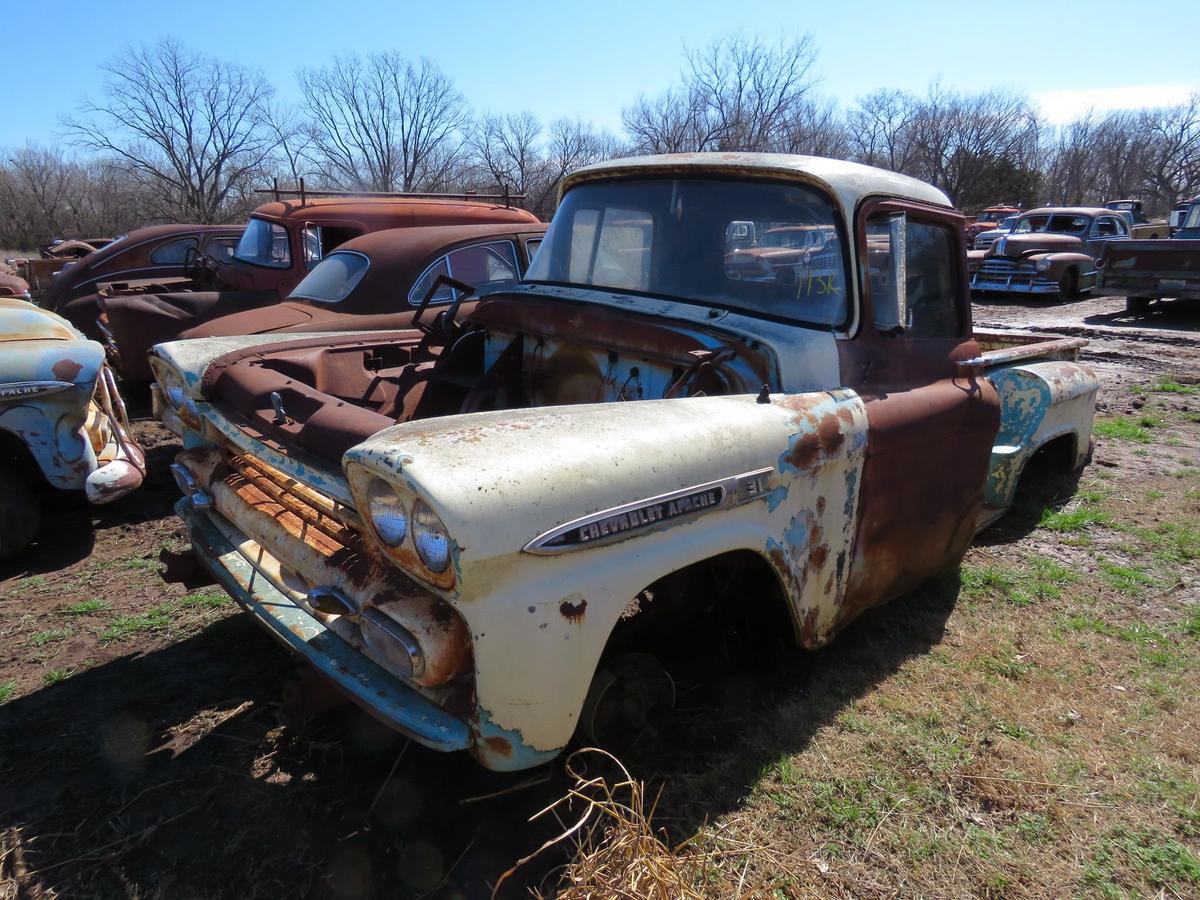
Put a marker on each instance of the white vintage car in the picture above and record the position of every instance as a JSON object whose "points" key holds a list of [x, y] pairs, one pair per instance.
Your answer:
{"points": [[481, 531]]}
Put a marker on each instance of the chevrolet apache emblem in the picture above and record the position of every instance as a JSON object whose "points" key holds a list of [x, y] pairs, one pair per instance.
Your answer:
{"points": [[644, 515]]}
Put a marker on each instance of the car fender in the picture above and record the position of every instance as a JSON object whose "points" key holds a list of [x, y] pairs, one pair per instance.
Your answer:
{"points": [[51, 425], [1039, 402], [541, 598]]}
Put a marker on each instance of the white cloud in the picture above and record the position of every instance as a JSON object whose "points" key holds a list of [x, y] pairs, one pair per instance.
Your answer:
{"points": [[1064, 106]]}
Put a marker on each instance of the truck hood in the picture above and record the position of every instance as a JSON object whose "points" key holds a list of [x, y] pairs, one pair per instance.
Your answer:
{"points": [[1016, 246], [36, 345]]}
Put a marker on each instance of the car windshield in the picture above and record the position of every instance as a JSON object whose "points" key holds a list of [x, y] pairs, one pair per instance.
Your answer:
{"points": [[1059, 223], [1192, 220], [333, 278], [693, 240], [264, 243]]}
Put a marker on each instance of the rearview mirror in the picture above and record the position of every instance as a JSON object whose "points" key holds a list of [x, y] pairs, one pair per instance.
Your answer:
{"points": [[891, 307]]}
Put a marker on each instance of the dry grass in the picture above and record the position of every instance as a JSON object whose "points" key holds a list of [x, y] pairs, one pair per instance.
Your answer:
{"points": [[616, 851]]}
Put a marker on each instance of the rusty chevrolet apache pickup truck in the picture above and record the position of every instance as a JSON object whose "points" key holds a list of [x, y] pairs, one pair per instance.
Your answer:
{"points": [[478, 531]]}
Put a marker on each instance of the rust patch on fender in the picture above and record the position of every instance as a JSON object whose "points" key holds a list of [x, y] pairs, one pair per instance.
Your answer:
{"points": [[820, 443], [66, 370], [499, 745], [573, 609]]}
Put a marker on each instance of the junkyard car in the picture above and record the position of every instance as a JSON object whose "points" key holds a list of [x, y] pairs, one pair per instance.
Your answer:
{"points": [[1149, 270], [281, 243], [62, 423], [481, 532], [12, 284], [1048, 251], [985, 239], [154, 258], [781, 254], [987, 220]]}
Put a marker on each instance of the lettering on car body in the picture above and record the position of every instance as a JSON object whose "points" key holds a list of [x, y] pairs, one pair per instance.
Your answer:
{"points": [[644, 515]]}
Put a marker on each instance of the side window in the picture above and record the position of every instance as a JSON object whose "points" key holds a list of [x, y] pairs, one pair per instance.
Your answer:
{"points": [[173, 253], [221, 249], [930, 274], [1106, 227], [485, 266], [531, 247]]}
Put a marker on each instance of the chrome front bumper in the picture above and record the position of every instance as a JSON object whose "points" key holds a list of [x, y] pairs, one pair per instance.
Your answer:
{"points": [[237, 563]]}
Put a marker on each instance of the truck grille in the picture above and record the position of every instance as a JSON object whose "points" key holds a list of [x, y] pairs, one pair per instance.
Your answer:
{"points": [[1007, 274], [320, 521]]}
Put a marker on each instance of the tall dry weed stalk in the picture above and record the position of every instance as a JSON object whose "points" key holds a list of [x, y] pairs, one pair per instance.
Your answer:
{"points": [[616, 852]]}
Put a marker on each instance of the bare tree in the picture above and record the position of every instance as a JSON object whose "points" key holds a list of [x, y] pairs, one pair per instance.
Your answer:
{"points": [[384, 123], [739, 93], [189, 126]]}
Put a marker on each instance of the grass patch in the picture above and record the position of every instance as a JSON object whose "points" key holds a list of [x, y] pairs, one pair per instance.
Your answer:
{"points": [[54, 676], [123, 627], [205, 599], [1127, 579], [84, 607], [1170, 386], [7, 689], [1161, 860], [1041, 578], [1073, 519], [1124, 428], [50, 636]]}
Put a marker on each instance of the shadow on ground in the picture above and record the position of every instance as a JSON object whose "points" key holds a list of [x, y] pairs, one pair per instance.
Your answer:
{"points": [[166, 774], [70, 523]]}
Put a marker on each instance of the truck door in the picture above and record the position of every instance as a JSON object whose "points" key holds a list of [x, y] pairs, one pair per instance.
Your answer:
{"points": [[931, 426]]}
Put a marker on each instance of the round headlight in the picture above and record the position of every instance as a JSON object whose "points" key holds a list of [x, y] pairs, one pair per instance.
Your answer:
{"points": [[1043, 264], [388, 516], [430, 537]]}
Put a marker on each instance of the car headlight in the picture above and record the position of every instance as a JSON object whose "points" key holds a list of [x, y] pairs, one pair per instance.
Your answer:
{"points": [[430, 538], [388, 516], [1043, 264]]}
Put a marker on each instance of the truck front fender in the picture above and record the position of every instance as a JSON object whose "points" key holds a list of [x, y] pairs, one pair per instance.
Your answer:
{"points": [[559, 517]]}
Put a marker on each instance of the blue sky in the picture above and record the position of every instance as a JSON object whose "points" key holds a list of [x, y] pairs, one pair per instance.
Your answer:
{"points": [[591, 59]]}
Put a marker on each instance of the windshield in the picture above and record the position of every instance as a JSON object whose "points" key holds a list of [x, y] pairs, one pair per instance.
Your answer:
{"points": [[264, 243], [333, 278], [1059, 223], [1192, 220], [696, 241]]}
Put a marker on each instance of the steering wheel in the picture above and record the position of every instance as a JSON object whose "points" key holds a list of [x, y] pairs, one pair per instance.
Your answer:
{"points": [[441, 328]]}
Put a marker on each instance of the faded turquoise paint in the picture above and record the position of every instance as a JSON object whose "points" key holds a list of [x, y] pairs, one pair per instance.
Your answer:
{"points": [[1024, 400], [798, 534], [851, 490], [384, 694], [504, 749], [50, 426], [776, 497]]}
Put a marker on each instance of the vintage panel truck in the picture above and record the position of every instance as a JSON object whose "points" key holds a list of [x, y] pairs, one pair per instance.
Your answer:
{"points": [[479, 529]]}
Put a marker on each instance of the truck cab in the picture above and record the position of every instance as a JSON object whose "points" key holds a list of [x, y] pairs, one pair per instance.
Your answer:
{"points": [[479, 531]]}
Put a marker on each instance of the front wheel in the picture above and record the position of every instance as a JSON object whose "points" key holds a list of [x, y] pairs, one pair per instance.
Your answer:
{"points": [[1068, 285], [20, 514], [1137, 304], [631, 698]]}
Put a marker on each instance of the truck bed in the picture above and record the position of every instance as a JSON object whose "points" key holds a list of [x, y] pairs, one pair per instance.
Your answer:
{"points": [[1152, 269], [1009, 347]]}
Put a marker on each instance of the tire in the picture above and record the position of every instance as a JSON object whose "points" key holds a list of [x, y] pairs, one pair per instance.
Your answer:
{"points": [[1068, 285], [20, 514], [1137, 304]]}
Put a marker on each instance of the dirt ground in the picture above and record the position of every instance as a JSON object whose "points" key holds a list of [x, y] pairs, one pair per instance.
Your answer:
{"points": [[1025, 726]]}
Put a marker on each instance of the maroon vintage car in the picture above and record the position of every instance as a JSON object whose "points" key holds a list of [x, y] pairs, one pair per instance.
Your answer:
{"points": [[379, 281], [283, 240], [155, 257]]}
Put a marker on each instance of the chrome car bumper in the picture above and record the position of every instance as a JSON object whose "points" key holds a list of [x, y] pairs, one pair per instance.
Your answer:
{"points": [[231, 557]]}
